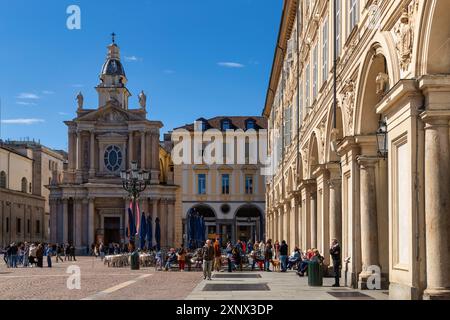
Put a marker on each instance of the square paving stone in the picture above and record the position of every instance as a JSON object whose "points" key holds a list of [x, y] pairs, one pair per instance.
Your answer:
{"points": [[237, 287], [350, 295]]}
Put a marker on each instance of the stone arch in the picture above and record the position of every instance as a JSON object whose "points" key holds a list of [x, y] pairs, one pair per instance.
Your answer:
{"points": [[366, 118], [248, 210], [313, 156], [204, 209], [433, 38]]}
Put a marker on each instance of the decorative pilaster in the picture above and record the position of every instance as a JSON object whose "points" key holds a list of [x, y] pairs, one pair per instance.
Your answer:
{"points": [[92, 154], [91, 222]]}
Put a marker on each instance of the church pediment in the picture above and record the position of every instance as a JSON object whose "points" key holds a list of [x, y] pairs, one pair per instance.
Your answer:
{"points": [[110, 113]]}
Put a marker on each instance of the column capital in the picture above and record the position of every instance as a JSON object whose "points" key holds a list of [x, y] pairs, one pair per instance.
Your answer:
{"points": [[308, 185], [367, 162], [435, 118]]}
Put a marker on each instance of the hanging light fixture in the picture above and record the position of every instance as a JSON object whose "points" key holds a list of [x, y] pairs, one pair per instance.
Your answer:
{"points": [[382, 139]]}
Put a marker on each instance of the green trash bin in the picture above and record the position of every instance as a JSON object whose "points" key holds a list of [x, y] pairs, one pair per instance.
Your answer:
{"points": [[315, 276], [134, 260]]}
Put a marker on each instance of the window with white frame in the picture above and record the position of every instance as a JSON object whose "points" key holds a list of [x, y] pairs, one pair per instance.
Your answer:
{"points": [[353, 14], [315, 72], [307, 86], [325, 50], [338, 41]]}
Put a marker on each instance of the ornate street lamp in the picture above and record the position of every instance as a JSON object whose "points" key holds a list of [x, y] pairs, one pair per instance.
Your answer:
{"points": [[382, 139], [134, 181]]}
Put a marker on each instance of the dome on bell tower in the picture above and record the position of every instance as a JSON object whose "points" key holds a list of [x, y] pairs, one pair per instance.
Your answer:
{"points": [[112, 65]]}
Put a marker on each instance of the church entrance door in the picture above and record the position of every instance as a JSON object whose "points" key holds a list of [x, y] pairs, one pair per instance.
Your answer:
{"points": [[112, 230]]}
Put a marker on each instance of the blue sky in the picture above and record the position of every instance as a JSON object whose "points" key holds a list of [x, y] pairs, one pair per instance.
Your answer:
{"points": [[193, 58]]}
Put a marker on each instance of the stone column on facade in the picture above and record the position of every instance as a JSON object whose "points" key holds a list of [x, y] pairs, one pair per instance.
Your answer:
{"points": [[322, 212], [143, 150], [92, 154], [65, 221], [305, 218], [53, 223], [130, 149], [313, 219], [437, 207], [335, 209], [369, 223], [78, 224], [72, 150], [79, 158], [286, 222], [91, 222], [155, 159], [171, 224]]}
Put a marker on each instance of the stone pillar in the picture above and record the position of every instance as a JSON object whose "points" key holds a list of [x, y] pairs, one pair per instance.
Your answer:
{"points": [[79, 157], [171, 224], [313, 219], [91, 222], [65, 221], [92, 155], [154, 216], [130, 149], [143, 150], [322, 212], [335, 209], [437, 207], [72, 151], [53, 221], [77, 224], [305, 218], [155, 159], [369, 223]]}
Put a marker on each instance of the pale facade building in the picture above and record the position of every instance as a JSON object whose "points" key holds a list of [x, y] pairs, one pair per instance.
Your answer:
{"points": [[90, 205], [22, 212], [230, 196], [388, 204]]}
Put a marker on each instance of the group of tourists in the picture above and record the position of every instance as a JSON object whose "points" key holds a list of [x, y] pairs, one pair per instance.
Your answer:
{"points": [[33, 254]]}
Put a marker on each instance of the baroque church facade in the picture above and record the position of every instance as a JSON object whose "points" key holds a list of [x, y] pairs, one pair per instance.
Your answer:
{"points": [[90, 205]]}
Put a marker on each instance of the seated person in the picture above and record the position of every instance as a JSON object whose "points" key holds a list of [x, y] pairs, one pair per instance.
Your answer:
{"points": [[294, 258], [171, 259]]}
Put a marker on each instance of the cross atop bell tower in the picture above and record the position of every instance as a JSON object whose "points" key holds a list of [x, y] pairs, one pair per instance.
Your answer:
{"points": [[113, 78]]}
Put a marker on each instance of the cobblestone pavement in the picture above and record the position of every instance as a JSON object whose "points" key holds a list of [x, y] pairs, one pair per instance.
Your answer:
{"points": [[97, 282]]}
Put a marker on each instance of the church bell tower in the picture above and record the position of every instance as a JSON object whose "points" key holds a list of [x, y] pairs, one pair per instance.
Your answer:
{"points": [[113, 79]]}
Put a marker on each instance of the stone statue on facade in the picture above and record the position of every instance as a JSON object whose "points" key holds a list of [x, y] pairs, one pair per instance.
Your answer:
{"points": [[142, 100], [404, 33], [80, 100]]}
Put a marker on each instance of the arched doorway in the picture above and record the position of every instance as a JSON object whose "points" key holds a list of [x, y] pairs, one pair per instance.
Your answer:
{"points": [[249, 223], [209, 217]]}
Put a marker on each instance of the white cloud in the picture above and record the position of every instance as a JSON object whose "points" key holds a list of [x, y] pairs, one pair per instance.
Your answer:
{"points": [[132, 58], [169, 71], [27, 95], [22, 121], [48, 92], [231, 64], [23, 103]]}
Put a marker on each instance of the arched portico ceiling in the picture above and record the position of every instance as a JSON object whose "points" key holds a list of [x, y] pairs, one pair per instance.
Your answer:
{"points": [[433, 40], [374, 73], [248, 211], [204, 210]]}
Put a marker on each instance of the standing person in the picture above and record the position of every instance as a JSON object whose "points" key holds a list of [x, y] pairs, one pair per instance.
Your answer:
{"points": [[8, 256], [229, 251], [59, 251], [268, 255], [49, 253], [33, 250], [26, 255], [277, 250], [102, 251], [335, 252], [181, 256], [13, 255], [67, 252], [72, 252], [283, 255], [40, 255], [217, 255], [208, 257]]}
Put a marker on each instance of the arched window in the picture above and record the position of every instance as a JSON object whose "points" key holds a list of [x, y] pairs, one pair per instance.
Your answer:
{"points": [[24, 185], [3, 179]]}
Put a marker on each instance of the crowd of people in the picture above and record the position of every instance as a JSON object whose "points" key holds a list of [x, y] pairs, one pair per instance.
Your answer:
{"points": [[33, 254], [265, 255]]}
